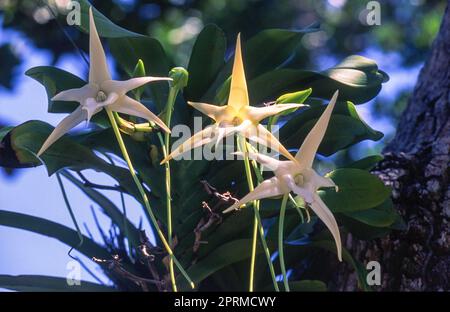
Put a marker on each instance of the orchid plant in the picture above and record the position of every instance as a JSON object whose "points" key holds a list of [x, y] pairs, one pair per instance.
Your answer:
{"points": [[196, 245]]}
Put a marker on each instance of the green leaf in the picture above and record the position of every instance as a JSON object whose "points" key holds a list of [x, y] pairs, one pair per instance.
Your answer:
{"points": [[345, 128], [270, 48], [56, 80], [298, 97], [41, 283], [304, 285], [4, 131], [362, 230], [366, 163], [51, 229], [128, 50], [382, 215], [262, 53], [105, 27], [207, 58], [357, 79], [358, 190], [221, 257]]}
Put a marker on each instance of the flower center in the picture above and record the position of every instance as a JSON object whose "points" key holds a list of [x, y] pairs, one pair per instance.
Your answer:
{"points": [[299, 180], [101, 96]]}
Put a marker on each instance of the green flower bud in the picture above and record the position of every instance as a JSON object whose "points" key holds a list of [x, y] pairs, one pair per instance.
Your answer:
{"points": [[180, 77]]}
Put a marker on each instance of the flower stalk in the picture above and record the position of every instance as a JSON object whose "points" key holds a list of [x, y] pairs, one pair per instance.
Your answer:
{"points": [[144, 195], [180, 78], [280, 240], [257, 223]]}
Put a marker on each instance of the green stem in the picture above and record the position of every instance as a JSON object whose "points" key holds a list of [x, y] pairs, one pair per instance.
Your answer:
{"points": [[144, 195], [280, 240], [69, 208], [257, 225], [165, 146]]}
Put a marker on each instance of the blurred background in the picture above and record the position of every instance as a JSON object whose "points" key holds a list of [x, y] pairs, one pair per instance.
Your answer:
{"points": [[30, 36]]}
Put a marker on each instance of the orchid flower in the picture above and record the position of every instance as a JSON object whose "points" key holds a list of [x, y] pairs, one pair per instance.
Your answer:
{"points": [[298, 176], [100, 92], [235, 117]]}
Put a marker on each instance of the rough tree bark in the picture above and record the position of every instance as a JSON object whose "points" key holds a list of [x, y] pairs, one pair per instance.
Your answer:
{"points": [[416, 165]]}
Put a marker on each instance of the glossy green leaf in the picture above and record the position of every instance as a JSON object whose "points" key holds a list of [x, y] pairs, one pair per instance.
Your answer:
{"points": [[263, 52], [358, 190], [227, 254], [128, 50], [105, 27], [366, 163], [345, 128], [207, 58], [56, 80], [357, 79], [382, 215]]}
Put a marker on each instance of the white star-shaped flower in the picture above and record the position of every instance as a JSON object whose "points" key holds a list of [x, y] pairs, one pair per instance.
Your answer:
{"points": [[235, 117], [298, 176], [101, 92]]}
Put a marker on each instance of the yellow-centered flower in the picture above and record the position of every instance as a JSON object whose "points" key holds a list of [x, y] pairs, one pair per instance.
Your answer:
{"points": [[298, 176], [100, 92], [235, 117]]}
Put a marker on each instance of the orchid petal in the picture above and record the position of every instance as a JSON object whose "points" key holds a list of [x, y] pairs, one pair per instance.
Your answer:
{"points": [[127, 105], [308, 150], [263, 136], [212, 111], [256, 114], [77, 94], [238, 90], [324, 214], [267, 188], [122, 87], [266, 161], [98, 69], [62, 128], [202, 137]]}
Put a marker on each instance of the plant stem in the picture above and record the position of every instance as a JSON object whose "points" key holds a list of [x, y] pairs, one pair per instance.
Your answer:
{"points": [[165, 146], [144, 195], [69, 208], [280, 240], [257, 225]]}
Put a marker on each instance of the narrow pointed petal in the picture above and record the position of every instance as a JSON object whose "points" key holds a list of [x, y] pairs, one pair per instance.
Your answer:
{"points": [[308, 150], [202, 137], [268, 188], [127, 105], [324, 182], [238, 90], [63, 127], [212, 111], [267, 161], [263, 136], [324, 214], [78, 94], [257, 114], [98, 69], [122, 87]]}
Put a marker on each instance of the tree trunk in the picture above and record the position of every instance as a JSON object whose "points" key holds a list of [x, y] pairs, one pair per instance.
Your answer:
{"points": [[416, 165]]}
